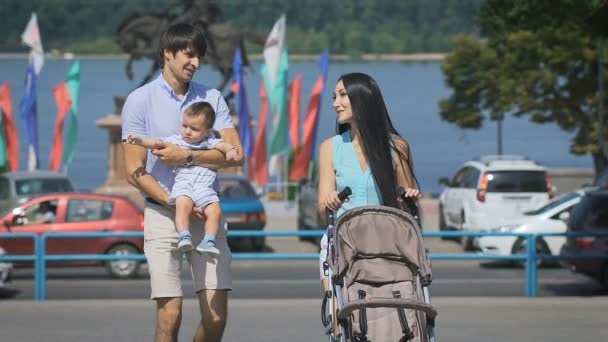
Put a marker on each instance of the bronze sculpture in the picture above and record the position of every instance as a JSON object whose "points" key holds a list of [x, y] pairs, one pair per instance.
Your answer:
{"points": [[138, 35]]}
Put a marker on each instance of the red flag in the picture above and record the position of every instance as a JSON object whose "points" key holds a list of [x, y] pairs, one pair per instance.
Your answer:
{"points": [[64, 103], [294, 111], [301, 161], [260, 150], [10, 129]]}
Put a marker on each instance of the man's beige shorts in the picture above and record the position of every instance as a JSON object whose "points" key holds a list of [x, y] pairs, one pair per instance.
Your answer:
{"points": [[165, 261]]}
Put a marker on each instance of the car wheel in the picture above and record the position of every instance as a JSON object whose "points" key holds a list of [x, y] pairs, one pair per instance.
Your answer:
{"points": [[466, 241], [258, 244], [521, 246], [442, 224], [123, 269], [604, 276]]}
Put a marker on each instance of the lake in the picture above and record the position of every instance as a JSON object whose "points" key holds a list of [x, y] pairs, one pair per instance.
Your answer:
{"points": [[411, 91]]}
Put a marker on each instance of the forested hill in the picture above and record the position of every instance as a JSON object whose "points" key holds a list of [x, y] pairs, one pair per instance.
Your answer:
{"points": [[345, 26]]}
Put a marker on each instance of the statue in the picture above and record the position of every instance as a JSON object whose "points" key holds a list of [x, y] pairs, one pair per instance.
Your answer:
{"points": [[139, 34]]}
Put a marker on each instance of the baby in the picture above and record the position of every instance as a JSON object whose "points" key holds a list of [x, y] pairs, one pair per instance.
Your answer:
{"points": [[194, 184]]}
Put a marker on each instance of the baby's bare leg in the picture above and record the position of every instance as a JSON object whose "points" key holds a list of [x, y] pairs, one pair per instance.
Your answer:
{"points": [[212, 212], [183, 209]]}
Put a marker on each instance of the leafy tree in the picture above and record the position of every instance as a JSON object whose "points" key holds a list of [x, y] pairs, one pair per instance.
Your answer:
{"points": [[537, 59]]}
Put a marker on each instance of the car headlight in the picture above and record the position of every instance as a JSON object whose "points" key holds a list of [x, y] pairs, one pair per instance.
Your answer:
{"points": [[507, 228]]}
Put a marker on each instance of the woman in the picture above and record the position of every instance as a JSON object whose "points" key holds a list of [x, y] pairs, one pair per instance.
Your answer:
{"points": [[373, 163]]}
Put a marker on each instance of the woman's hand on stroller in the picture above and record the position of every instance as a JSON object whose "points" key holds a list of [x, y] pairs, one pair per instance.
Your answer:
{"points": [[333, 201], [404, 194]]}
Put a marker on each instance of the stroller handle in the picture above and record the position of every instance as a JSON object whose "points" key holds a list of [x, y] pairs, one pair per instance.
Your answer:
{"points": [[343, 195]]}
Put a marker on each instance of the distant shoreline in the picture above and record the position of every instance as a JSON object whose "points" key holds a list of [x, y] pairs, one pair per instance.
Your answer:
{"points": [[414, 57]]}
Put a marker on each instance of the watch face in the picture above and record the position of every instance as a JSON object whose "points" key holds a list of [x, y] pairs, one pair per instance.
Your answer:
{"points": [[189, 158]]}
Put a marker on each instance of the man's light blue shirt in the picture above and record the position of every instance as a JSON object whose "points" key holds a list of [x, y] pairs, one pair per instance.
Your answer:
{"points": [[154, 111]]}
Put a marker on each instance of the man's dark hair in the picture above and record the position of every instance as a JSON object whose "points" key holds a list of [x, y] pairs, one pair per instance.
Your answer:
{"points": [[203, 109], [180, 37]]}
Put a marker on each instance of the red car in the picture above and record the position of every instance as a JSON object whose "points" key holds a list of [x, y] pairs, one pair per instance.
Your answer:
{"points": [[78, 212]]}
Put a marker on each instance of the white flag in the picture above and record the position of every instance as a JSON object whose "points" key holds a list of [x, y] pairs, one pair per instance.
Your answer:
{"points": [[31, 38], [273, 49]]}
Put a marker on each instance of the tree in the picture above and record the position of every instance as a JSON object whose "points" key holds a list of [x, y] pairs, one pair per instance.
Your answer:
{"points": [[537, 59]]}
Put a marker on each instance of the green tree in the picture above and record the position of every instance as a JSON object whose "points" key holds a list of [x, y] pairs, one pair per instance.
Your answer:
{"points": [[537, 59]]}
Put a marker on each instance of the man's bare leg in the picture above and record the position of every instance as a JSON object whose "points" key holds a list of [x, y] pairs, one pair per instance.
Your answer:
{"points": [[169, 318], [214, 312]]}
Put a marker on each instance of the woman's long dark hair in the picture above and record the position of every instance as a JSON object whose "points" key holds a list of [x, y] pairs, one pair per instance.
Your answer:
{"points": [[376, 129]]}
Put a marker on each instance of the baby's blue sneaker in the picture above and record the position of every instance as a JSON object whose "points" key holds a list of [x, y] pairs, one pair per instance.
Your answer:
{"points": [[208, 245], [184, 244]]}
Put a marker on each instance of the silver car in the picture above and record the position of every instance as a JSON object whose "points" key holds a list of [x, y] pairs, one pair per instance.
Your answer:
{"points": [[17, 188]]}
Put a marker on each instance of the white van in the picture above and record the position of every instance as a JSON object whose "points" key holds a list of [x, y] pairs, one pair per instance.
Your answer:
{"points": [[490, 190]]}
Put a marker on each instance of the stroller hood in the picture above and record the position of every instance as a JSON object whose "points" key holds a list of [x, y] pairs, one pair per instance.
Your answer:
{"points": [[370, 232]]}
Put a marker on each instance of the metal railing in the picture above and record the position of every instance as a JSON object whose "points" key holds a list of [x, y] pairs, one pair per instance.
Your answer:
{"points": [[530, 257]]}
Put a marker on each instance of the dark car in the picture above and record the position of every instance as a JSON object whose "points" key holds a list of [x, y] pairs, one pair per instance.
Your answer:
{"points": [[602, 179], [590, 215], [242, 209], [308, 212], [78, 213]]}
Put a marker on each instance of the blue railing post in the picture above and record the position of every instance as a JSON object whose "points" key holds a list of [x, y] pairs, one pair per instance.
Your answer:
{"points": [[41, 281], [39, 260], [531, 274]]}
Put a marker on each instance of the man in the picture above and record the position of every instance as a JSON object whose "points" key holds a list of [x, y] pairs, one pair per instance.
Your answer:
{"points": [[45, 213], [155, 110]]}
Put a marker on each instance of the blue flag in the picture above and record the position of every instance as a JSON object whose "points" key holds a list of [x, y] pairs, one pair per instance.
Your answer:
{"points": [[241, 104], [29, 116]]}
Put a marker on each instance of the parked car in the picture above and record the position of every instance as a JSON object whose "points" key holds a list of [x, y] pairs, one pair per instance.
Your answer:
{"points": [[490, 190], [77, 212], [5, 270], [308, 212], [590, 215], [550, 218], [602, 179], [242, 209], [17, 188]]}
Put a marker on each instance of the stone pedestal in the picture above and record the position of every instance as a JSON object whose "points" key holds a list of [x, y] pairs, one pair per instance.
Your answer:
{"points": [[116, 183]]}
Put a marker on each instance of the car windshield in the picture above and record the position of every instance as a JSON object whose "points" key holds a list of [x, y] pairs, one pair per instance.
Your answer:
{"points": [[236, 189], [26, 187], [553, 204], [516, 181]]}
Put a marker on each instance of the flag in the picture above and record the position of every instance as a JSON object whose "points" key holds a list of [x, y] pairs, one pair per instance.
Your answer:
{"points": [[73, 87], [259, 152], [31, 38], [302, 159], [279, 141], [64, 102], [9, 144], [275, 58], [294, 111], [242, 105], [28, 115], [273, 51]]}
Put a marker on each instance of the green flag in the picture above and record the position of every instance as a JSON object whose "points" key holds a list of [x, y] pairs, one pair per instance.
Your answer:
{"points": [[73, 83], [279, 139]]}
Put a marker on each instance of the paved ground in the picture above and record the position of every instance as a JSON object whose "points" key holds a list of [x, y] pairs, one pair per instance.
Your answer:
{"points": [[471, 320]]}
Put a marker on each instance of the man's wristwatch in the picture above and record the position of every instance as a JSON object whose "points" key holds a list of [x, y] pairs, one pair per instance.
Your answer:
{"points": [[189, 160]]}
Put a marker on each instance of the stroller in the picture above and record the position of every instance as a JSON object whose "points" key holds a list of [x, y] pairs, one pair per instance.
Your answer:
{"points": [[376, 277]]}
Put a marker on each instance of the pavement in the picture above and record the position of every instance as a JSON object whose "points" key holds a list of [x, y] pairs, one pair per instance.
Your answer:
{"points": [[459, 319]]}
